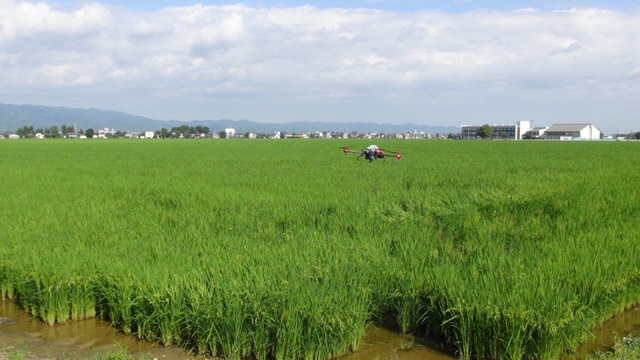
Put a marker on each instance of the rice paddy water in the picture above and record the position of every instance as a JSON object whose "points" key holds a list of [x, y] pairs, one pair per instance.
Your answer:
{"points": [[289, 249]]}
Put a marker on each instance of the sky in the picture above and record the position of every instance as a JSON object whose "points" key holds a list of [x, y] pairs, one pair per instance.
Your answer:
{"points": [[438, 63]]}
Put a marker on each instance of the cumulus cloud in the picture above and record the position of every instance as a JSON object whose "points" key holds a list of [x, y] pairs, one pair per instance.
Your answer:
{"points": [[305, 63], [25, 20]]}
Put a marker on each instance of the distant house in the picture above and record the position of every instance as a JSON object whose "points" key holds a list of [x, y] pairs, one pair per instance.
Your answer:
{"points": [[149, 134], [14, 136], [230, 132], [39, 135], [105, 133], [132, 135], [572, 132]]}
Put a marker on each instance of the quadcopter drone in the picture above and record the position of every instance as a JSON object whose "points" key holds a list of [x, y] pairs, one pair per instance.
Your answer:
{"points": [[372, 153]]}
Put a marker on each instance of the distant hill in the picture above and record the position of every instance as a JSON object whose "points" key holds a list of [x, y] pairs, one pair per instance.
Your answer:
{"points": [[13, 117]]}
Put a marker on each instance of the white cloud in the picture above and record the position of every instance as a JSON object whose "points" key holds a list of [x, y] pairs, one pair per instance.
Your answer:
{"points": [[303, 63], [22, 20]]}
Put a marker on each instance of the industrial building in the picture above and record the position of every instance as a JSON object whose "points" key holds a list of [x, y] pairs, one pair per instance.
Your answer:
{"points": [[514, 132], [524, 130], [572, 132]]}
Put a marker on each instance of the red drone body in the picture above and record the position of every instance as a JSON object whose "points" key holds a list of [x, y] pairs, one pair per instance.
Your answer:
{"points": [[372, 153]]}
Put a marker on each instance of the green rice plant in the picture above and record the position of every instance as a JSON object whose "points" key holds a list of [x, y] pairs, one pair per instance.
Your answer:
{"points": [[505, 250], [7, 286], [29, 292], [117, 297], [202, 316], [52, 301], [82, 297]]}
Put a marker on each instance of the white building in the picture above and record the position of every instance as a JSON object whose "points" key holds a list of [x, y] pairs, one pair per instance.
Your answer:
{"points": [[508, 131], [103, 133], [149, 134], [572, 132], [231, 132], [537, 132], [522, 128]]}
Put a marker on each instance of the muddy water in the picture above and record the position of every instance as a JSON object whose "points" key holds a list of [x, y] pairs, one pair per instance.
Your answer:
{"points": [[625, 324], [83, 339], [74, 340], [383, 344]]}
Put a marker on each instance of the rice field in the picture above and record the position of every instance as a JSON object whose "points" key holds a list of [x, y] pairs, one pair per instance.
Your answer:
{"points": [[288, 249]]}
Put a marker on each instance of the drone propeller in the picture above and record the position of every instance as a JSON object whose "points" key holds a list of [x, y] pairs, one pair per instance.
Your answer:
{"points": [[395, 154], [385, 150], [346, 150]]}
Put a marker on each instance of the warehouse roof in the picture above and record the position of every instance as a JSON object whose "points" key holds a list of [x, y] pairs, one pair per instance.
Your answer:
{"points": [[567, 127]]}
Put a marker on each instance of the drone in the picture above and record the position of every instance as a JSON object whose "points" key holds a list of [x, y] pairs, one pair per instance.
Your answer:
{"points": [[372, 153]]}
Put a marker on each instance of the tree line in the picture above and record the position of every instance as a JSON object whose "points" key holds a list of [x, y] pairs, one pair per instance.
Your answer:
{"points": [[50, 132], [183, 130], [29, 131], [164, 133]]}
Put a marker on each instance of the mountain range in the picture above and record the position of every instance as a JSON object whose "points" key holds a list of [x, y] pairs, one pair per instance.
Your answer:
{"points": [[13, 117]]}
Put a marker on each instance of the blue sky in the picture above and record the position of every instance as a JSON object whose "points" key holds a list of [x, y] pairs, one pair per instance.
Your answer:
{"points": [[426, 62], [391, 5]]}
